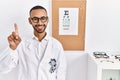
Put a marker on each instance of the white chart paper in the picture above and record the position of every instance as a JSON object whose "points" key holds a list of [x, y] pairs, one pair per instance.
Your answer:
{"points": [[68, 21]]}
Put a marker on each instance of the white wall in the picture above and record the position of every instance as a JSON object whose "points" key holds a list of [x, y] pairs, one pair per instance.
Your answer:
{"points": [[16, 11], [77, 65], [103, 26]]}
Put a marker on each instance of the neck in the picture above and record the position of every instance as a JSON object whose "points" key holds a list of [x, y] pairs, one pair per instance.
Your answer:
{"points": [[40, 36]]}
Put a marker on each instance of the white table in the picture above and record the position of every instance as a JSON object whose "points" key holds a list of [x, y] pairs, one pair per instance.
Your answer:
{"points": [[103, 69]]}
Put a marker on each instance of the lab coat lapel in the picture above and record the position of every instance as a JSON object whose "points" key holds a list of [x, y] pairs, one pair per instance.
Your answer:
{"points": [[47, 53], [44, 68]]}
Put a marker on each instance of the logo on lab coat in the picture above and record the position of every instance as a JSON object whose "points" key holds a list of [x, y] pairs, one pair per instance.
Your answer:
{"points": [[53, 65]]}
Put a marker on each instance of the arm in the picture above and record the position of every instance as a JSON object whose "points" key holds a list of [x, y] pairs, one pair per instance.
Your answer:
{"points": [[62, 66], [9, 58]]}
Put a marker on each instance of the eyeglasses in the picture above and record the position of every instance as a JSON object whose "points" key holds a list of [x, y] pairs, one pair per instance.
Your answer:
{"points": [[42, 19]]}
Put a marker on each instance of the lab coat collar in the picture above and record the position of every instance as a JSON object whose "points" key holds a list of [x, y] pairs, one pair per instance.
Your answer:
{"points": [[30, 45], [45, 38]]}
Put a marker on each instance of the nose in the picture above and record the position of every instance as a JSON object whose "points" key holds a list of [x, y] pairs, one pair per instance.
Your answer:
{"points": [[39, 21]]}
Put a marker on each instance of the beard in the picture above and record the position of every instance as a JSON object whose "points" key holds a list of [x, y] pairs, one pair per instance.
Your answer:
{"points": [[39, 28]]}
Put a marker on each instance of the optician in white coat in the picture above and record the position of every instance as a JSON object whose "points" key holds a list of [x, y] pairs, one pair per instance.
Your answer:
{"points": [[39, 58]]}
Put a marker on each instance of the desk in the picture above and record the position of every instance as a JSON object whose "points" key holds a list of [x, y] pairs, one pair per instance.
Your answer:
{"points": [[103, 69]]}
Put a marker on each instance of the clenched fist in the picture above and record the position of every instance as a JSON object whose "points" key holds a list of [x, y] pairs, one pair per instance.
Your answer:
{"points": [[14, 39]]}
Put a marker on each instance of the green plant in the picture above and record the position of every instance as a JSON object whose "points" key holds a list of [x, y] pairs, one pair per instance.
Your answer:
{"points": [[110, 79]]}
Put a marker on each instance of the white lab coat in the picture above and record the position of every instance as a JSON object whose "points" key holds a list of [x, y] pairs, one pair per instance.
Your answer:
{"points": [[51, 67]]}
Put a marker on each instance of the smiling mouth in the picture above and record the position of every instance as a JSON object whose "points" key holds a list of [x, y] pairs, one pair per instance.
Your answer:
{"points": [[40, 27]]}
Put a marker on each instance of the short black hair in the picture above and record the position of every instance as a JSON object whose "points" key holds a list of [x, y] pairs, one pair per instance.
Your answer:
{"points": [[37, 7]]}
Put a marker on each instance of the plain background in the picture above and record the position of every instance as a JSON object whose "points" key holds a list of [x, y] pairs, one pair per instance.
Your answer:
{"points": [[102, 31]]}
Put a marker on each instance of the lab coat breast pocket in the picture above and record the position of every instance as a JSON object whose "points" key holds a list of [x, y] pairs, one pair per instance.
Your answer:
{"points": [[52, 68]]}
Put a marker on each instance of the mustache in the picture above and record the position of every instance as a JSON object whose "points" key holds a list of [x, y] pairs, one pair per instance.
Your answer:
{"points": [[40, 25]]}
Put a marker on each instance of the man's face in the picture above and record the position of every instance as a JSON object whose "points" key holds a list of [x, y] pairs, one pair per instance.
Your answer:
{"points": [[38, 19]]}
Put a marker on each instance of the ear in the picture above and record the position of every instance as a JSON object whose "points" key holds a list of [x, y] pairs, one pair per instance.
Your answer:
{"points": [[29, 20]]}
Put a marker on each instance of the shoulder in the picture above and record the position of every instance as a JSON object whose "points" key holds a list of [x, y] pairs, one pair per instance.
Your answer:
{"points": [[26, 41], [56, 43]]}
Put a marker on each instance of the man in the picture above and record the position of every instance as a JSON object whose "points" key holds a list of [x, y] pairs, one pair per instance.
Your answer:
{"points": [[39, 58]]}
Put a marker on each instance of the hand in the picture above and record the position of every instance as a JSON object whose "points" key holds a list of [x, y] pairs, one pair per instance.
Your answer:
{"points": [[14, 39]]}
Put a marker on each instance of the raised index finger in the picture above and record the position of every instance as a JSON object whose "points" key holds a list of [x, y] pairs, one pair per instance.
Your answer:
{"points": [[16, 28]]}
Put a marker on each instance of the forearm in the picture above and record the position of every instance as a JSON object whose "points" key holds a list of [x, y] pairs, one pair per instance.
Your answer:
{"points": [[62, 67], [8, 60]]}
